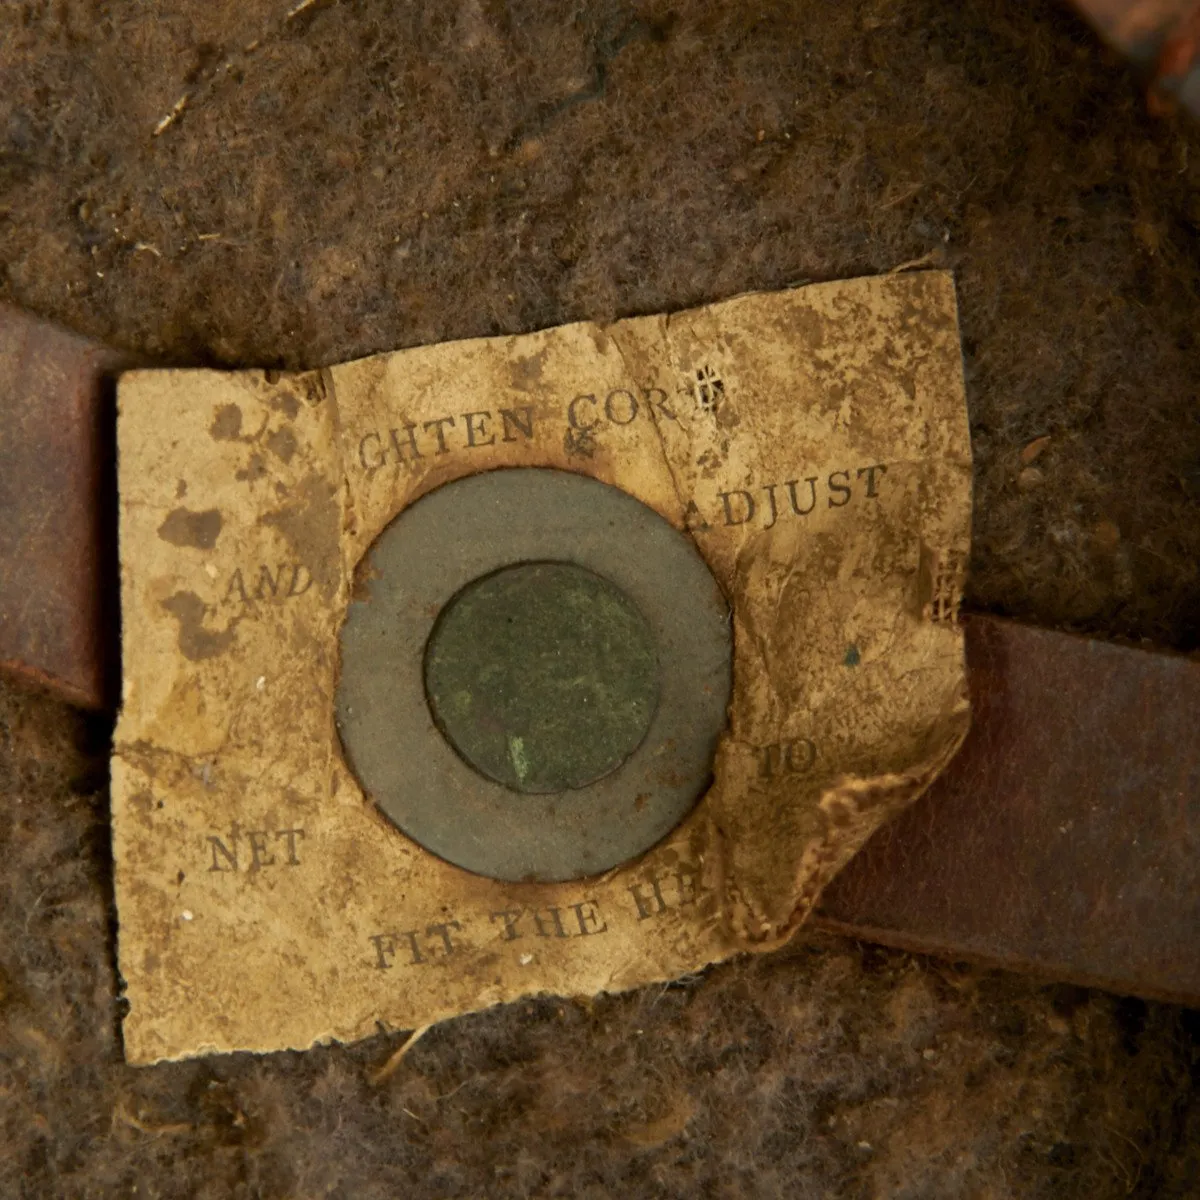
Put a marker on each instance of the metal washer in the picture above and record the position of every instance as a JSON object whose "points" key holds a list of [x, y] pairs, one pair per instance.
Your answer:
{"points": [[471, 528]]}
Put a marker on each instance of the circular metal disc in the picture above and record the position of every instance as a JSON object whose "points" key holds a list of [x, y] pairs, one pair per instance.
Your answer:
{"points": [[476, 527], [543, 676]]}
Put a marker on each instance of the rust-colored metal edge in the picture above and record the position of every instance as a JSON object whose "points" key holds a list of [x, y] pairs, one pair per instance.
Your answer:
{"points": [[43, 681], [1064, 839], [1162, 40]]}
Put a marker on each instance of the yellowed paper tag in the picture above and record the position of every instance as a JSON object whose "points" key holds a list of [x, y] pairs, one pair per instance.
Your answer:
{"points": [[813, 442]]}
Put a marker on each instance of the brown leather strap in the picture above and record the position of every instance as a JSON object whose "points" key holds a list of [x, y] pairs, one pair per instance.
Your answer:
{"points": [[1064, 839], [57, 531]]}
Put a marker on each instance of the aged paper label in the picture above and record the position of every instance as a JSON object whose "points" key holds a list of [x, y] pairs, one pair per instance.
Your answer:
{"points": [[813, 443]]}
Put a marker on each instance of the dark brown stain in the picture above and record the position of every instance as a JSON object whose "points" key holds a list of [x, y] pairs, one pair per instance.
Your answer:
{"points": [[804, 324], [254, 469], [195, 642], [199, 530], [526, 373], [282, 443], [142, 802], [286, 403], [364, 576], [227, 424], [311, 523], [579, 443]]}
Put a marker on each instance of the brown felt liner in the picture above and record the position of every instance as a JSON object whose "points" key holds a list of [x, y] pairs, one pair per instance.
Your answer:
{"points": [[376, 175]]}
